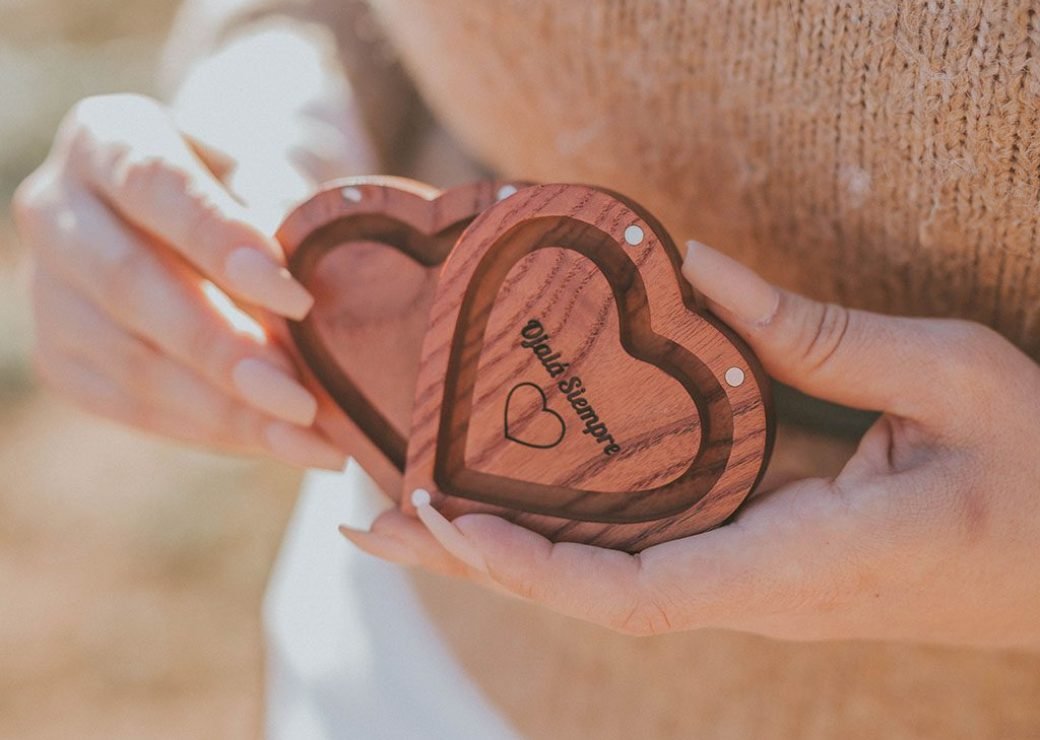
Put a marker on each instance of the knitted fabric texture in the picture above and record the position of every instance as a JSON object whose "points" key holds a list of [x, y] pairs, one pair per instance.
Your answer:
{"points": [[880, 154]]}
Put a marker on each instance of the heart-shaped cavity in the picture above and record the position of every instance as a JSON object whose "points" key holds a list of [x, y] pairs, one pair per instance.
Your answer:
{"points": [[581, 388], [369, 250], [576, 292]]}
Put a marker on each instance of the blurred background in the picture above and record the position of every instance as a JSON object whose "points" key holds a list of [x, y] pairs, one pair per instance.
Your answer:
{"points": [[131, 570]]}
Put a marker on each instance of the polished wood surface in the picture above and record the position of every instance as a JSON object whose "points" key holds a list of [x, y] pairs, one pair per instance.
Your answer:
{"points": [[369, 250], [570, 382]]}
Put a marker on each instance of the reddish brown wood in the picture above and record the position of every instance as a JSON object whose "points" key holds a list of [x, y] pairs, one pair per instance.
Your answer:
{"points": [[369, 250], [570, 382]]}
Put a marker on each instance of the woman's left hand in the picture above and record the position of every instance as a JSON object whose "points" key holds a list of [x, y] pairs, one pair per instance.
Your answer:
{"points": [[931, 531]]}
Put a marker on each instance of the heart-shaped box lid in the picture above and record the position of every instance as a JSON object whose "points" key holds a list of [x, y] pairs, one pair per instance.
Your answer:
{"points": [[571, 382]]}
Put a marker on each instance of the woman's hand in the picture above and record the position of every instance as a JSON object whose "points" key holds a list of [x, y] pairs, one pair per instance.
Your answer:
{"points": [[931, 532], [137, 247]]}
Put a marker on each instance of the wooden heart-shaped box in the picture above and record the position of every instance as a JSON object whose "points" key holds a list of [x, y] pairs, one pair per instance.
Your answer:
{"points": [[571, 383], [369, 250]]}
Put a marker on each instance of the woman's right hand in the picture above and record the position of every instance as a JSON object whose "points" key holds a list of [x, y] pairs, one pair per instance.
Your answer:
{"points": [[137, 247]]}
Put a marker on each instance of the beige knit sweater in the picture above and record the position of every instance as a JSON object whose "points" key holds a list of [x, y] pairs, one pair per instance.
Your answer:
{"points": [[882, 154]]}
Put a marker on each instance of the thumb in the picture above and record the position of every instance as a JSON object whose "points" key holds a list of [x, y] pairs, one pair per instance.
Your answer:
{"points": [[855, 358]]}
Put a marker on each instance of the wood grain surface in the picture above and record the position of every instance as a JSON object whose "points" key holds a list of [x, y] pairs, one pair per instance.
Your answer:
{"points": [[570, 382], [369, 250]]}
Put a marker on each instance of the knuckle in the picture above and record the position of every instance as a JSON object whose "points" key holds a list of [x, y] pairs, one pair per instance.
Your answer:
{"points": [[637, 622], [96, 113], [79, 126], [523, 587], [141, 175], [86, 112], [91, 121], [32, 205], [824, 334], [645, 617], [204, 222], [91, 111], [99, 129], [109, 140]]}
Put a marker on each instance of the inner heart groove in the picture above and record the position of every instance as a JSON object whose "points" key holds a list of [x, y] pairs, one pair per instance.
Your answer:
{"points": [[427, 247]]}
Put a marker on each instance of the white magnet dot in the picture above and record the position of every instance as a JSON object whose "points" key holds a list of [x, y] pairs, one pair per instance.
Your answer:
{"points": [[505, 191], [352, 195], [734, 377], [634, 235], [420, 497]]}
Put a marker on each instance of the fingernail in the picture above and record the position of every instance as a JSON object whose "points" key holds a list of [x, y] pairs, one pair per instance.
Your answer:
{"points": [[723, 280], [269, 389], [258, 278], [378, 546], [447, 533], [302, 447]]}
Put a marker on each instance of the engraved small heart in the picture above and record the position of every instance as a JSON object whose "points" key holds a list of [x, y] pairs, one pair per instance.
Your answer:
{"points": [[529, 420], [667, 411], [369, 250]]}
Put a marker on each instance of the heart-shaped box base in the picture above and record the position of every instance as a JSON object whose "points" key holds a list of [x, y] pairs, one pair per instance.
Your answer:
{"points": [[570, 382], [369, 249]]}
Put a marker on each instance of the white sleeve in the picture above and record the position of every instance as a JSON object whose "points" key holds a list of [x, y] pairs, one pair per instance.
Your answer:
{"points": [[350, 650]]}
